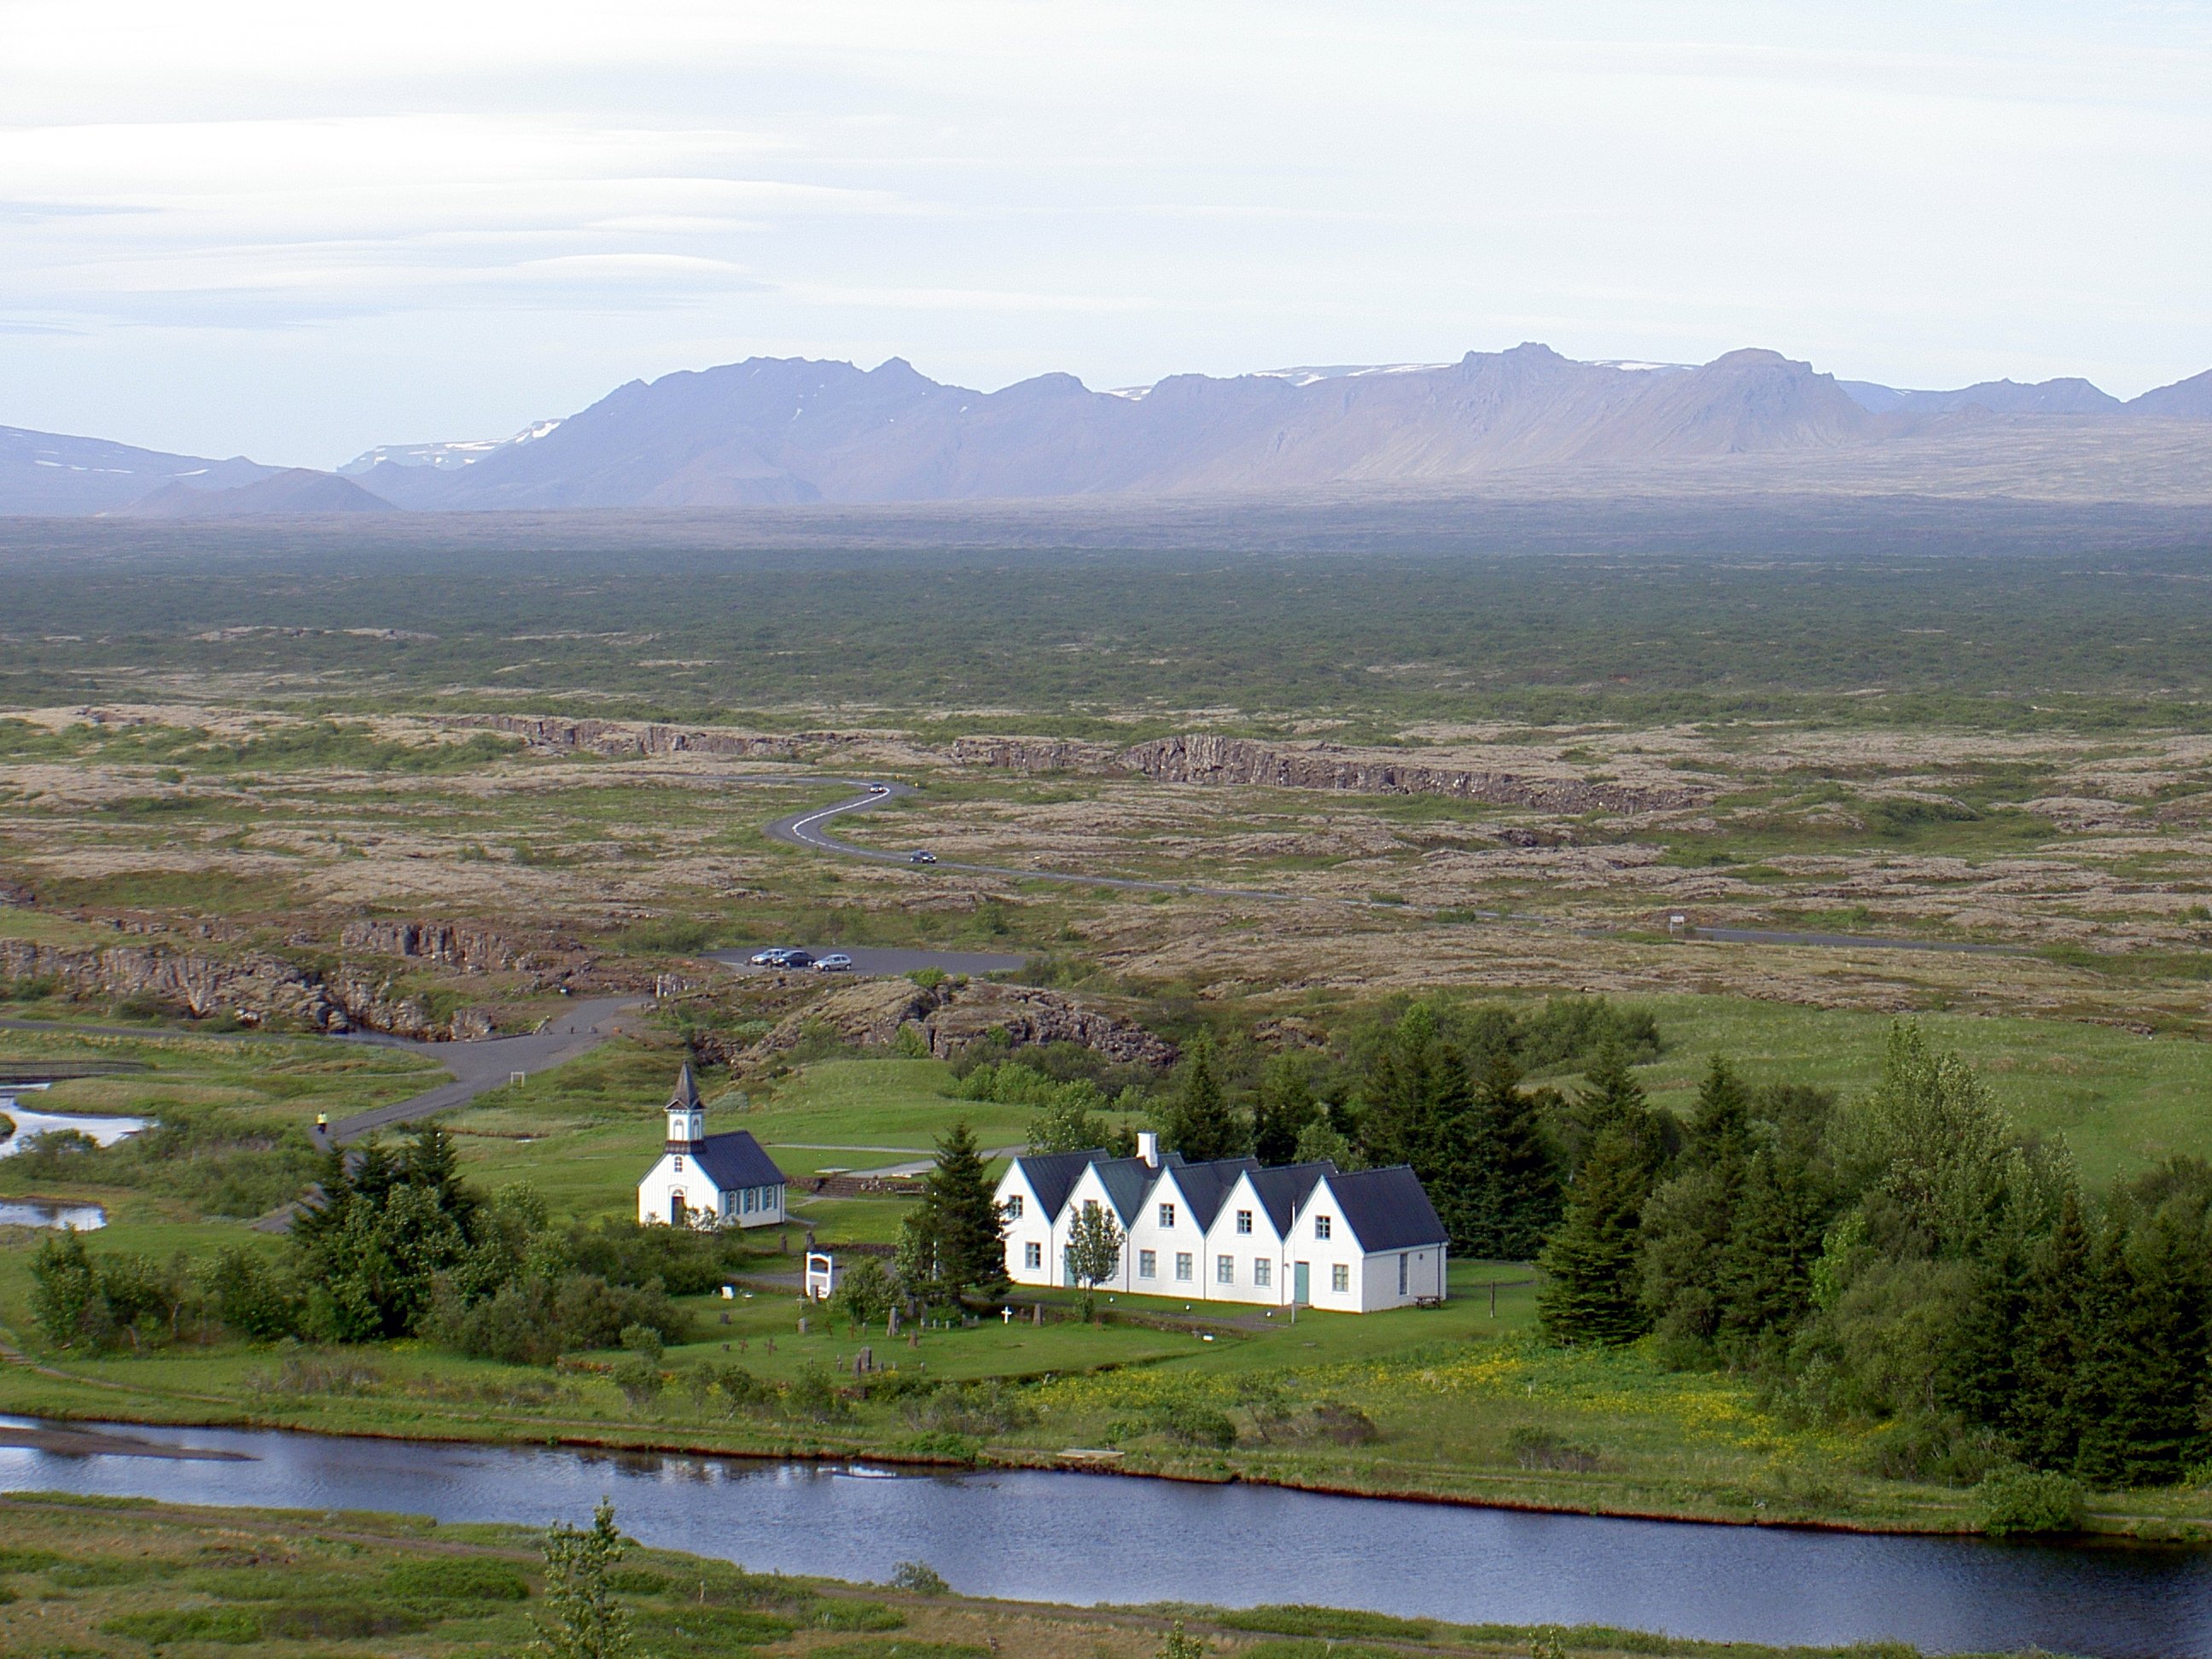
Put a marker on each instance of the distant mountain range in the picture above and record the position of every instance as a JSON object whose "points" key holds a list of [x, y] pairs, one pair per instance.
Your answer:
{"points": [[782, 431]]}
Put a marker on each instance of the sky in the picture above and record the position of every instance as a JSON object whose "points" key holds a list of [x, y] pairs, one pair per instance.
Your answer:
{"points": [[295, 231]]}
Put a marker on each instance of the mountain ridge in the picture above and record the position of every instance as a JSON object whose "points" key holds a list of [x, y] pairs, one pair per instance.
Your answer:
{"points": [[784, 432]]}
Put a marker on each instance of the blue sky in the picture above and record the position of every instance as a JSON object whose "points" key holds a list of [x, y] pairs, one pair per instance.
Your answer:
{"points": [[295, 231]]}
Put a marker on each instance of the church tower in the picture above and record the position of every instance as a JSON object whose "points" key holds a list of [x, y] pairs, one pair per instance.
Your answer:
{"points": [[686, 1115]]}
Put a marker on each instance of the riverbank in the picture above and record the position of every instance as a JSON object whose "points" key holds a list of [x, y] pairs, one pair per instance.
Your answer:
{"points": [[78, 1572], [416, 1396]]}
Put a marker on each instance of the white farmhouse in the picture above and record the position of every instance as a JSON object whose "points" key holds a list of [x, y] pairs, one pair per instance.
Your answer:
{"points": [[726, 1175], [1306, 1235]]}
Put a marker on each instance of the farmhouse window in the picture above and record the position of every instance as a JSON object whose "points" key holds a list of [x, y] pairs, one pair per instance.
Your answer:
{"points": [[1263, 1272], [1321, 1226], [1033, 1254], [1243, 1221], [1183, 1266], [1340, 1278], [1148, 1264], [1167, 1215], [1013, 1206], [1224, 1270]]}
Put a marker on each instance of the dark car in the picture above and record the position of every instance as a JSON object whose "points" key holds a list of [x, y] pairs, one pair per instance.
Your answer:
{"points": [[922, 858], [796, 959]]}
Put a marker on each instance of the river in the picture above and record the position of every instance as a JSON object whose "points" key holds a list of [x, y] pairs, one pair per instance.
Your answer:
{"points": [[1085, 1538]]}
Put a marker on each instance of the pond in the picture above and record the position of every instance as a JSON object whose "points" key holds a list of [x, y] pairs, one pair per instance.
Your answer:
{"points": [[102, 1131], [48, 1212], [1088, 1538]]}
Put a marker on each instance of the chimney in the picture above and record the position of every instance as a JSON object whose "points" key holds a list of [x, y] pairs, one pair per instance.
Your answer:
{"points": [[1148, 1148]]}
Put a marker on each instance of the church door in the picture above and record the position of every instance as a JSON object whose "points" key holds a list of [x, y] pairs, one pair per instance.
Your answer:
{"points": [[675, 1216]]}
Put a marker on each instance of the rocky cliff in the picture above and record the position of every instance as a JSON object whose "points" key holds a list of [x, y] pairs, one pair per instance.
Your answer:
{"points": [[255, 986], [1202, 758], [949, 1015], [617, 739]]}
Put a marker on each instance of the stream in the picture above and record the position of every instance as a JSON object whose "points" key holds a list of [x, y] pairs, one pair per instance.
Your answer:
{"points": [[1080, 1538]]}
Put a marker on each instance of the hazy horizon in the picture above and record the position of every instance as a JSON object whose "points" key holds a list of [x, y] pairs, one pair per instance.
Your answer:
{"points": [[254, 230]]}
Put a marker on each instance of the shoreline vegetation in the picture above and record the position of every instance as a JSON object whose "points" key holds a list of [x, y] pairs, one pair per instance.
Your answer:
{"points": [[77, 1570]]}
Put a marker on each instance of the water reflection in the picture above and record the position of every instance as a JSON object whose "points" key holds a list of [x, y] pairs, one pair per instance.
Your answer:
{"points": [[37, 1212]]}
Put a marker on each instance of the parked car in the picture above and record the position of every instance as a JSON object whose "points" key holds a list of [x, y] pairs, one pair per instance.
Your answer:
{"points": [[796, 959], [835, 963], [922, 858], [772, 958]]}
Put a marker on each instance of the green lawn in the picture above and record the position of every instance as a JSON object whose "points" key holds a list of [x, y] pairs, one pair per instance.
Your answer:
{"points": [[2122, 1102]]}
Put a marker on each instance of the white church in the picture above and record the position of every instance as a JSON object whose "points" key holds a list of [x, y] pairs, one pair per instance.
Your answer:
{"points": [[1304, 1234], [726, 1177]]}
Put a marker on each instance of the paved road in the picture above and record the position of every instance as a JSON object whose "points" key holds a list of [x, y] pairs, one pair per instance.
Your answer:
{"points": [[478, 1067]]}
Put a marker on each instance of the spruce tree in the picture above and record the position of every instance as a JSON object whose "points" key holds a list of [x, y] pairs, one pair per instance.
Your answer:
{"points": [[1199, 1122], [965, 1226], [1720, 1129], [1286, 1106], [1764, 1283], [2144, 1371], [1591, 1290], [1409, 1077], [2043, 1415], [1514, 1173]]}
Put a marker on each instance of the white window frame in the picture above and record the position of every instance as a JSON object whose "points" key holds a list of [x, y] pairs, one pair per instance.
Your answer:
{"points": [[1243, 1221], [1148, 1264], [1224, 1270], [1340, 1278], [1263, 1272], [1321, 1225], [679, 1164], [1012, 1207], [1185, 1274], [1033, 1256], [1166, 1217]]}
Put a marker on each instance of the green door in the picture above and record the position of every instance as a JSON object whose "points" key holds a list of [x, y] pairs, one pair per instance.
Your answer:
{"points": [[1302, 1285]]}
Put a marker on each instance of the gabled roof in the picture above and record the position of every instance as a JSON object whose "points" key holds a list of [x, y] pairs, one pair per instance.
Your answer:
{"points": [[1205, 1185], [687, 1093], [1283, 1188], [1387, 1209], [1127, 1180], [1052, 1176], [734, 1158]]}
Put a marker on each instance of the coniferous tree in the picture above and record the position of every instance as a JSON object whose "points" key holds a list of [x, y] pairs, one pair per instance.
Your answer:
{"points": [[955, 1237], [1690, 1219], [1198, 1122], [2043, 1414], [1285, 1107], [2144, 1372], [1591, 1289], [1448, 1152], [1611, 1096], [1763, 1285], [1405, 1088], [1514, 1175]]}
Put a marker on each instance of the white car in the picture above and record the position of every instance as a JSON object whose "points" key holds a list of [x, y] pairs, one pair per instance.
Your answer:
{"points": [[880, 789], [835, 963]]}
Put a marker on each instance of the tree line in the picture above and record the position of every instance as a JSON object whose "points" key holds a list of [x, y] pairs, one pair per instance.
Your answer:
{"points": [[1908, 1259]]}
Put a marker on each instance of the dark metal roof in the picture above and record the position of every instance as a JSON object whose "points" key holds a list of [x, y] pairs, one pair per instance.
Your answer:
{"points": [[1387, 1209], [1052, 1176], [734, 1158], [1127, 1180], [1284, 1187], [1205, 1185], [687, 1093]]}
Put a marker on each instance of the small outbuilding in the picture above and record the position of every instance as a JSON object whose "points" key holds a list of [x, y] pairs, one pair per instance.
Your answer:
{"points": [[723, 1180]]}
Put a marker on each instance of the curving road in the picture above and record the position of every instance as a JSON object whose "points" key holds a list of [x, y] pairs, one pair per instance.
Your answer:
{"points": [[808, 830]]}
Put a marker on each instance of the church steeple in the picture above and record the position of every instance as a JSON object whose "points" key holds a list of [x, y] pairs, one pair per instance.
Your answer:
{"points": [[686, 1115]]}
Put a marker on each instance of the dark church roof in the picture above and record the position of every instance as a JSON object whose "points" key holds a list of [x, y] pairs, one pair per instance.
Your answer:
{"points": [[687, 1090], [734, 1158], [1387, 1209]]}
